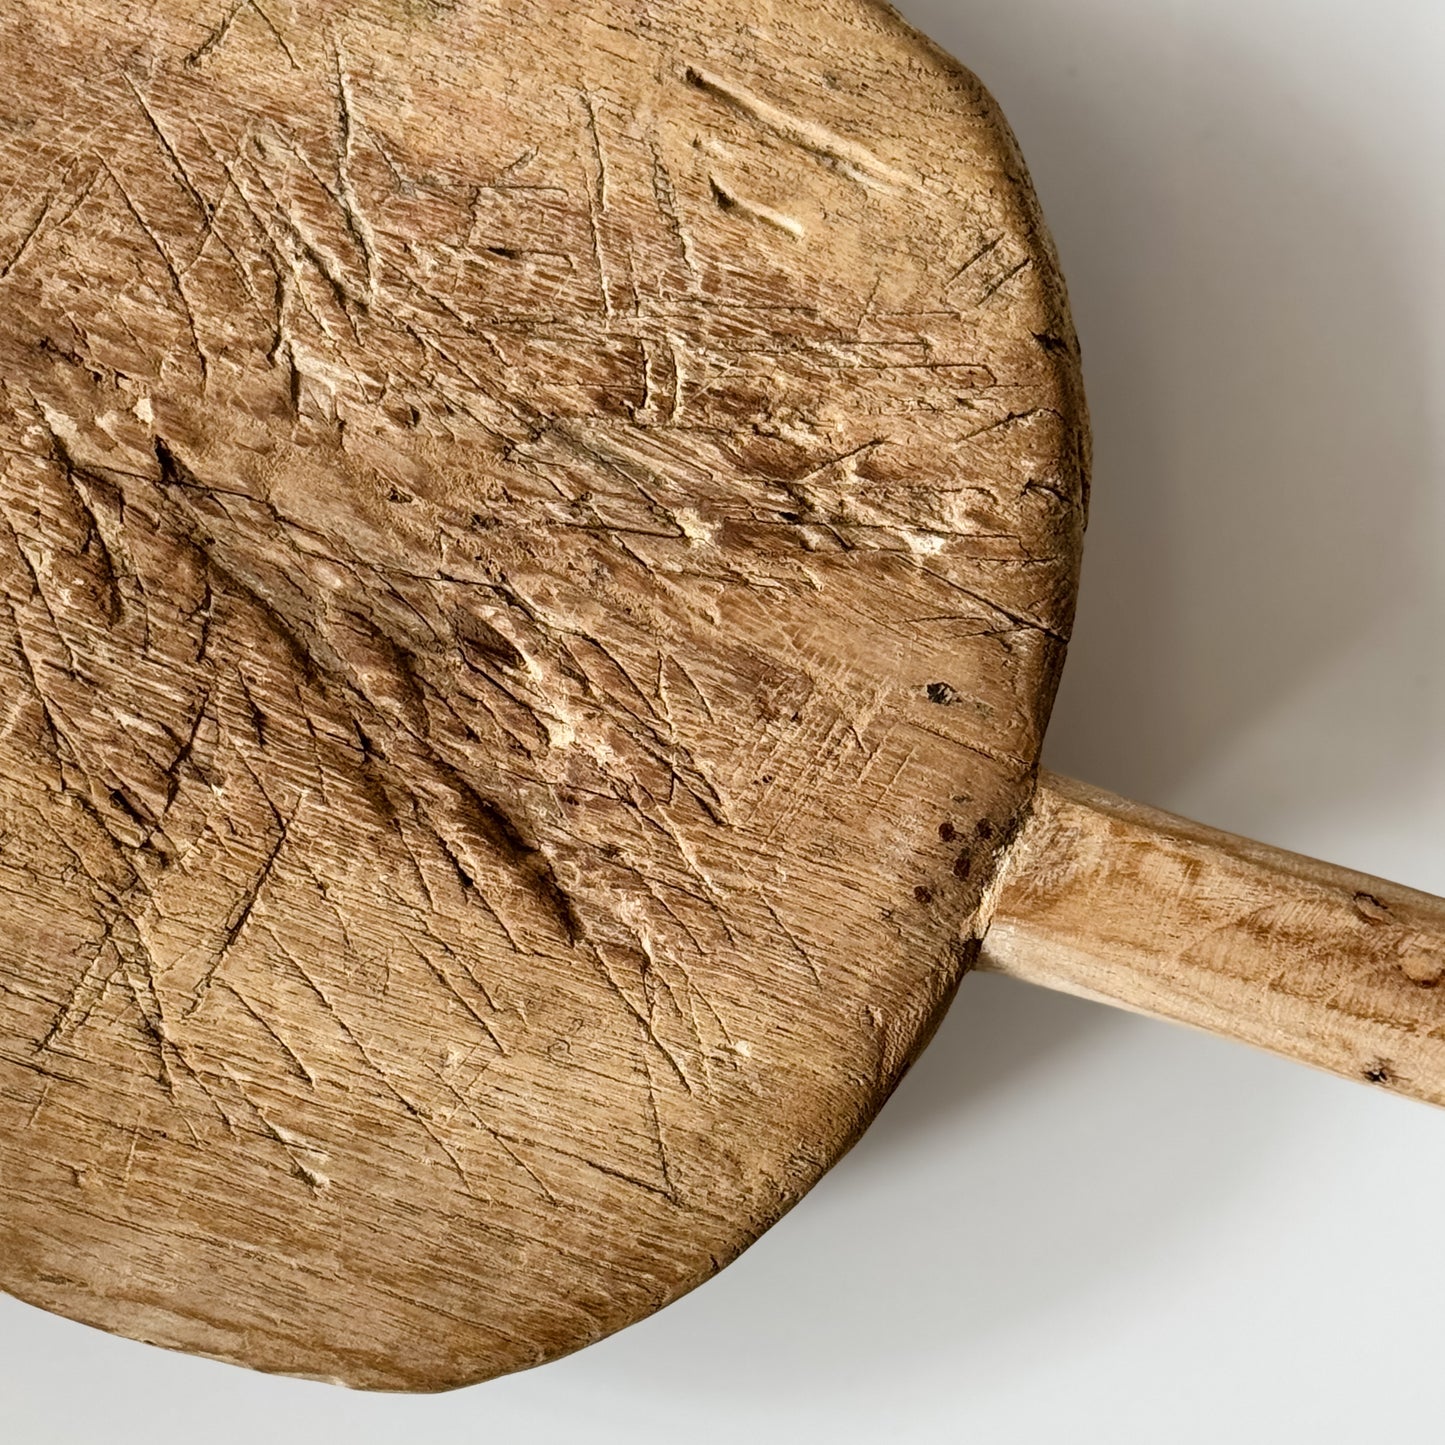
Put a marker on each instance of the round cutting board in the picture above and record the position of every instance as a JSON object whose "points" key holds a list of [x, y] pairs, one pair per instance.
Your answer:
{"points": [[536, 546]]}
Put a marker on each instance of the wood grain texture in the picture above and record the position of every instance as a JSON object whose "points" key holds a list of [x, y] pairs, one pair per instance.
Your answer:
{"points": [[536, 545], [1115, 901]]}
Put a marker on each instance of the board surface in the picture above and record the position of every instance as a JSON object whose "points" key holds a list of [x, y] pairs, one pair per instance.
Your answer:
{"points": [[536, 544]]}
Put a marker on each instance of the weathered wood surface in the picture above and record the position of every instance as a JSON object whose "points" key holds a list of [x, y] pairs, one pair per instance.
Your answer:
{"points": [[536, 543], [1115, 901]]}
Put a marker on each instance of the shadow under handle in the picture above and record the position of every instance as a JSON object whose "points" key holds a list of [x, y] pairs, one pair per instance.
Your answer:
{"points": [[1114, 901]]}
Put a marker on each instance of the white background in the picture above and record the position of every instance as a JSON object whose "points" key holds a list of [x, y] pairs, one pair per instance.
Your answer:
{"points": [[1072, 1226]]}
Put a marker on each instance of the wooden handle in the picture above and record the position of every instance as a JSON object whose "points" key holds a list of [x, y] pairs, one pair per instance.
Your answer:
{"points": [[1114, 901]]}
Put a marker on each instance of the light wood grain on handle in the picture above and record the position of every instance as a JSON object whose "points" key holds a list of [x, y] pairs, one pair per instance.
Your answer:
{"points": [[1111, 900]]}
